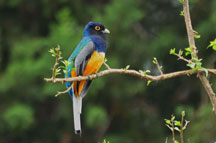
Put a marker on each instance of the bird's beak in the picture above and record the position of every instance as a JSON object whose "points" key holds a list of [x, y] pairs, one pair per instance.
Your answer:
{"points": [[106, 31]]}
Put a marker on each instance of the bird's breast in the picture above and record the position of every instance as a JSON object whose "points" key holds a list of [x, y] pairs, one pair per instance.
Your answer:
{"points": [[94, 63]]}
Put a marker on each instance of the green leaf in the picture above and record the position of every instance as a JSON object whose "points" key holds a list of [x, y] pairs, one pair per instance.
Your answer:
{"points": [[127, 67], [212, 44], [172, 51], [57, 71], [65, 71], [148, 82], [191, 65], [188, 50], [181, 13], [177, 123], [57, 48], [66, 63], [52, 51], [144, 72], [180, 52], [177, 129], [214, 47], [181, 1], [170, 127], [105, 60], [62, 67], [106, 141], [197, 36], [187, 53], [168, 122]]}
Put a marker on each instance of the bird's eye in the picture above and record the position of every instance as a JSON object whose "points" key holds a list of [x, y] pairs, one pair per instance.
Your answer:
{"points": [[97, 28]]}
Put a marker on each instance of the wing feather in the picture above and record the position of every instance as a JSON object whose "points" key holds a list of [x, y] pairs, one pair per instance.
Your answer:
{"points": [[83, 57], [80, 65]]}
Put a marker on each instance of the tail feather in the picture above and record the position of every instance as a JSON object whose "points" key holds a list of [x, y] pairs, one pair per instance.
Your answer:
{"points": [[77, 109]]}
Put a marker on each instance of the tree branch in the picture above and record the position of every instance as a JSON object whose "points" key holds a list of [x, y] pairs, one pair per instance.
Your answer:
{"points": [[158, 66], [130, 72], [203, 79], [189, 28]]}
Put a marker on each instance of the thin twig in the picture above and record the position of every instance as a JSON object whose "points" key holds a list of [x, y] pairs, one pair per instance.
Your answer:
{"points": [[56, 62], [181, 127], [158, 66], [173, 129], [203, 79], [166, 141], [65, 91], [107, 66], [183, 58]]}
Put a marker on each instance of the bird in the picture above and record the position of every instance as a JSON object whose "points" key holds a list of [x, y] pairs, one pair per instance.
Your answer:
{"points": [[86, 59]]}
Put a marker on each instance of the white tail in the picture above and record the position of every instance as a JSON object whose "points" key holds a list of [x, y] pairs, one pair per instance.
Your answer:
{"points": [[77, 109]]}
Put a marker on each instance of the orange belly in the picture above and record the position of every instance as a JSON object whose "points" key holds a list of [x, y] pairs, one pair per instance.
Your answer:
{"points": [[93, 65]]}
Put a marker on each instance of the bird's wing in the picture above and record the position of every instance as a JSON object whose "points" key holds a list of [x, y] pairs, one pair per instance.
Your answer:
{"points": [[83, 57], [80, 64], [83, 43]]}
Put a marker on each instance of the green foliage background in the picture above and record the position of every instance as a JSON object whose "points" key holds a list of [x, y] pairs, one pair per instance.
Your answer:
{"points": [[120, 108]]}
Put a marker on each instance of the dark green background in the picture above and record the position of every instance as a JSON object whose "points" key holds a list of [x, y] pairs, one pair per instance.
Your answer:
{"points": [[119, 108]]}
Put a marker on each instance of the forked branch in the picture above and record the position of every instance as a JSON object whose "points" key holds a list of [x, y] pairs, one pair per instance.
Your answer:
{"points": [[190, 33]]}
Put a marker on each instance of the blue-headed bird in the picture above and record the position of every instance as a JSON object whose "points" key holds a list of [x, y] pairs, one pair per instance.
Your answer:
{"points": [[86, 59]]}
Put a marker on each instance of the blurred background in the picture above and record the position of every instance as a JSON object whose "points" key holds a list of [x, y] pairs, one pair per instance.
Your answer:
{"points": [[118, 108]]}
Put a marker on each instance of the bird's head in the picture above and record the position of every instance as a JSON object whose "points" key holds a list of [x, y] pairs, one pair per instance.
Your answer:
{"points": [[94, 28]]}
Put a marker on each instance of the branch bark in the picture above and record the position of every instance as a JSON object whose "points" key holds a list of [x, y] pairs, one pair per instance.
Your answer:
{"points": [[203, 79], [129, 72], [158, 66]]}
